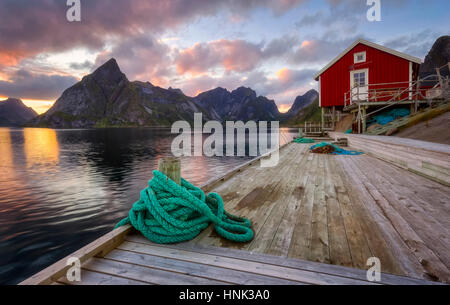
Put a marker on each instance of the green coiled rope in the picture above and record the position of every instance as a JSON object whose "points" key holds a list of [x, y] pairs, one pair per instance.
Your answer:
{"points": [[170, 213]]}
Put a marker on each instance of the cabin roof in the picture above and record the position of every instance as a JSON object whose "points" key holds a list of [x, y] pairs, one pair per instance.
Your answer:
{"points": [[370, 44]]}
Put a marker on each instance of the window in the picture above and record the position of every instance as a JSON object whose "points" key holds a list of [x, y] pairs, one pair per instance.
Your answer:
{"points": [[360, 57], [359, 79]]}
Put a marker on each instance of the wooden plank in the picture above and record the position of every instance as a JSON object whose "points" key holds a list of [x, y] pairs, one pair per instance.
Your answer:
{"points": [[434, 267], [319, 250], [282, 261], [338, 244], [194, 269], [356, 190], [302, 276], [57, 270], [426, 196], [283, 235], [371, 231], [357, 242], [96, 278], [146, 274], [301, 237], [432, 232], [272, 216]]}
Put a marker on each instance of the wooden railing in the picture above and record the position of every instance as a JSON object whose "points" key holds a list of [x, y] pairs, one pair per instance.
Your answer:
{"points": [[431, 87], [317, 128]]}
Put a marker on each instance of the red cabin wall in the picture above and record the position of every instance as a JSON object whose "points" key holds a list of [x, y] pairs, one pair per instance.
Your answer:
{"points": [[383, 68]]}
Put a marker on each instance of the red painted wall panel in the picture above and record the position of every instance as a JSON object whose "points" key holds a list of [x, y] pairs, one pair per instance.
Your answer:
{"points": [[383, 68]]}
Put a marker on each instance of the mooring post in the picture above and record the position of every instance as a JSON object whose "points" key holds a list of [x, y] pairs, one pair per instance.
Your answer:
{"points": [[171, 167], [300, 133]]}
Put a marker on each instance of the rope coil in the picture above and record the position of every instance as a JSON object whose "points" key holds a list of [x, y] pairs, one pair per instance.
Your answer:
{"points": [[170, 213]]}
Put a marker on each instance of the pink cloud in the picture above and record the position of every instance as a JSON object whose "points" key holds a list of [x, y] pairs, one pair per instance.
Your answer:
{"points": [[231, 55]]}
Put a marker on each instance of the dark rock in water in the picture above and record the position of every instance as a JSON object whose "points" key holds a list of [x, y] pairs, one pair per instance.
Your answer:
{"points": [[13, 113], [438, 56]]}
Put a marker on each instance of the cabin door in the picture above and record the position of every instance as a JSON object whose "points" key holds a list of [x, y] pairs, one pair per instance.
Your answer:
{"points": [[359, 83]]}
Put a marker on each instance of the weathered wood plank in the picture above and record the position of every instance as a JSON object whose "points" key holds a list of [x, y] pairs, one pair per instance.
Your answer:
{"points": [[96, 278], [302, 276], [145, 274], [194, 269], [301, 237], [283, 235], [339, 248], [273, 215], [358, 245], [341, 271], [435, 235], [359, 194], [434, 267], [319, 251]]}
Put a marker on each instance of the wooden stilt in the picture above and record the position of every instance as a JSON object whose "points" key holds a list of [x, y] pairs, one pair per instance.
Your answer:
{"points": [[171, 167], [364, 119]]}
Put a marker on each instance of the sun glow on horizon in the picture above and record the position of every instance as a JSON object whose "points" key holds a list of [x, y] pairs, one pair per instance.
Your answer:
{"points": [[283, 108]]}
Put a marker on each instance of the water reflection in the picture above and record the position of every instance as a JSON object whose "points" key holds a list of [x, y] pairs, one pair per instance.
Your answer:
{"points": [[41, 147], [61, 189]]}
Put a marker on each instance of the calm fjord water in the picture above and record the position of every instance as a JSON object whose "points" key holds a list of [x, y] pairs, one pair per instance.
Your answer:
{"points": [[61, 189]]}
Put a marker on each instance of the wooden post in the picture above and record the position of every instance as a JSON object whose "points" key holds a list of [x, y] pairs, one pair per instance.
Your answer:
{"points": [[359, 118], [322, 123], [364, 119], [171, 167], [333, 118]]}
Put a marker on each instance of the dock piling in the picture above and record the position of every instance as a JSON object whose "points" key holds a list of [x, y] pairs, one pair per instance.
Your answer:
{"points": [[171, 167]]}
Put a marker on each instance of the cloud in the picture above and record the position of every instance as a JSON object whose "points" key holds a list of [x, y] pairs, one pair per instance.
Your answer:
{"points": [[231, 55], [42, 26], [86, 65], [414, 44], [319, 50], [26, 85], [140, 57]]}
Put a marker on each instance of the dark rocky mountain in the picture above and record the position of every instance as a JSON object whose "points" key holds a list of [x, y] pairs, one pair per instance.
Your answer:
{"points": [[13, 112], [241, 104], [303, 101], [438, 56], [310, 113], [107, 98]]}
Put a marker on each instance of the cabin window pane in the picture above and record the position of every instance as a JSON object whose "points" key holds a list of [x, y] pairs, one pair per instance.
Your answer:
{"points": [[359, 79], [359, 57], [362, 79]]}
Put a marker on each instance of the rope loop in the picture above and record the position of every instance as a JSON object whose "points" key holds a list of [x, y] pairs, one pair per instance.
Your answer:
{"points": [[170, 213]]}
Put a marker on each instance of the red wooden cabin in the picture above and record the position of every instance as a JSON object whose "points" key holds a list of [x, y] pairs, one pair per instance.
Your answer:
{"points": [[366, 71]]}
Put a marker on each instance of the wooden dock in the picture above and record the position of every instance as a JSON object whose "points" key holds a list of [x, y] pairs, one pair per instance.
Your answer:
{"points": [[317, 219]]}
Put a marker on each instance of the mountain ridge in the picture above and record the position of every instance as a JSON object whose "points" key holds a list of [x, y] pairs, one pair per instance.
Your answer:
{"points": [[13, 112], [106, 98]]}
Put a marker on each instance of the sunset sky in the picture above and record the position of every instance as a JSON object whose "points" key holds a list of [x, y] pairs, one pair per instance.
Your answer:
{"points": [[273, 46]]}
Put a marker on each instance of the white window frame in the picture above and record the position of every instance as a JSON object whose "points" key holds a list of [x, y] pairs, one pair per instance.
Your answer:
{"points": [[364, 90], [355, 57]]}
